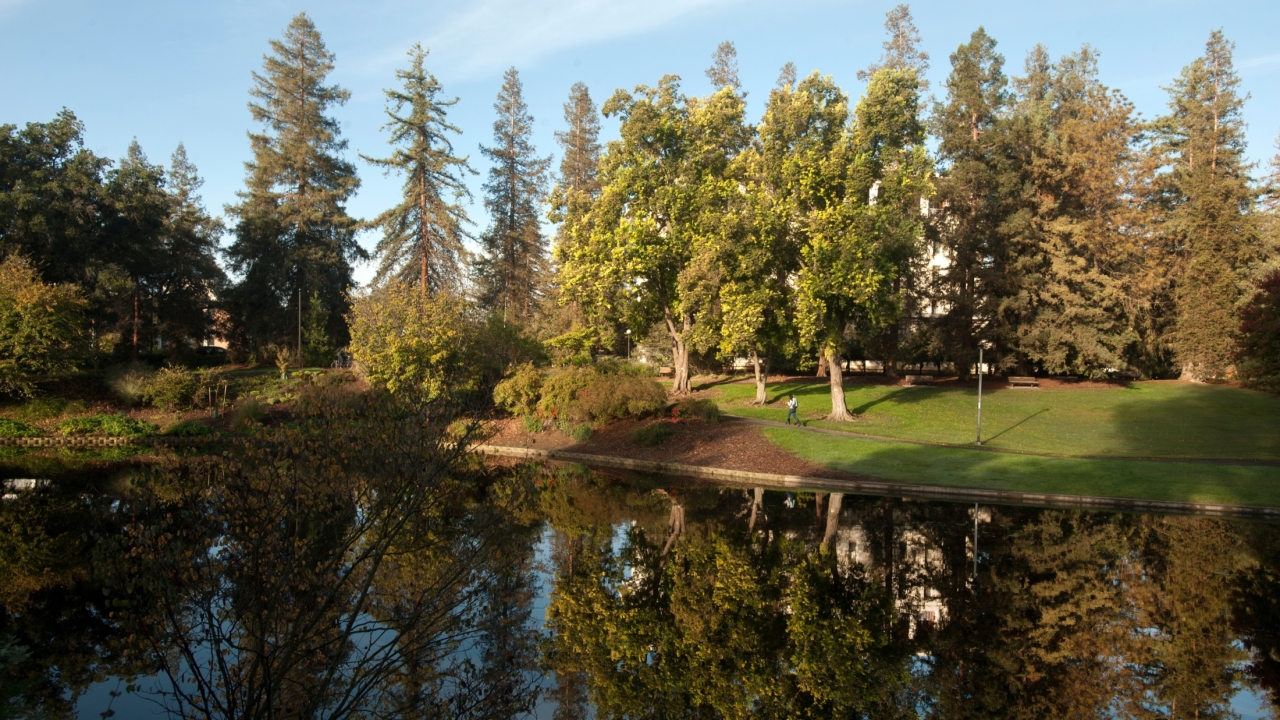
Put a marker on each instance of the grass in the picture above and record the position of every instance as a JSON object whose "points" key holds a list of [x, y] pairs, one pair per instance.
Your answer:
{"points": [[1143, 419], [109, 425], [1186, 482]]}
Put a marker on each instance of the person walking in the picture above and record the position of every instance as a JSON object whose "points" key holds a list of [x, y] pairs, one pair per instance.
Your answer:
{"points": [[792, 406]]}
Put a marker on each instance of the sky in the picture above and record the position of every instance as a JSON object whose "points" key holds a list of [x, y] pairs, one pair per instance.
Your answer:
{"points": [[166, 72]]}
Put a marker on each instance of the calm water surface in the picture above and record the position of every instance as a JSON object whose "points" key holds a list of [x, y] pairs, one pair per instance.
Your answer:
{"points": [[632, 596]]}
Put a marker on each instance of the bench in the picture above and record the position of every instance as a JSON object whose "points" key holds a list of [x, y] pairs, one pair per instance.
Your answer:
{"points": [[913, 380], [665, 371], [1023, 382]]}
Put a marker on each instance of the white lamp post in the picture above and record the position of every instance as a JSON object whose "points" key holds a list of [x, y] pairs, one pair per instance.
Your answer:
{"points": [[628, 343]]}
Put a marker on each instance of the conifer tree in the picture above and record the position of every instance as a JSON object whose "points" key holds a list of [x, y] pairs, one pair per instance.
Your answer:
{"points": [[511, 274], [974, 199], [1210, 204], [724, 67], [293, 234], [580, 141], [901, 49], [423, 236], [1085, 232], [576, 188], [136, 232], [189, 278]]}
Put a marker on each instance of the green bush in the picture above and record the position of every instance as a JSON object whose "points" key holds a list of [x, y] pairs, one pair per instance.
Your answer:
{"points": [[129, 382], [696, 409], [109, 425], [248, 412], [189, 428], [172, 387], [532, 423], [15, 429], [45, 407], [519, 392], [601, 392], [578, 433], [652, 434]]}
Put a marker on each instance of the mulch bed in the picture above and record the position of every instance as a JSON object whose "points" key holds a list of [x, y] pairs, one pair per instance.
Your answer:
{"points": [[726, 444]]}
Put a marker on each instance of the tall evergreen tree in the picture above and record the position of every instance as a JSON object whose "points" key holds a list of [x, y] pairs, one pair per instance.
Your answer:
{"points": [[1086, 232], [188, 279], [576, 188], [580, 142], [423, 236], [977, 183], [292, 229], [136, 231], [901, 49], [1210, 203], [511, 274]]}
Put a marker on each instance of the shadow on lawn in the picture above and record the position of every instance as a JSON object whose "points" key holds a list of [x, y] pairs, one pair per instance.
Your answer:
{"points": [[1023, 420], [1184, 420]]}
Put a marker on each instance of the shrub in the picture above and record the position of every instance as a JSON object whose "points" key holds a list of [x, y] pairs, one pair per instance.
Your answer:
{"points": [[403, 341], [189, 428], [248, 412], [532, 423], [578, 432], [696, 409], [41, 327], [109, 425], [15, 429], [43, 408], [129, 382], [652, 434], [519, 393], [171, 388], [601, 392]]}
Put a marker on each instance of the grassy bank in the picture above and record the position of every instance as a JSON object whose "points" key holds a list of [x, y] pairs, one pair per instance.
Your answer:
{"points": [[1142, 419], [954, 467]]}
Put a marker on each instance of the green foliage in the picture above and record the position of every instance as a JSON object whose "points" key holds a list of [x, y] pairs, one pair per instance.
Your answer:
{"points": [[652, 434], [404, 341], [599, 393], [519, 393], [108, 425], [41, 327], [172, 387], [248, 412], [532, 424], [189, 428], [44, 407], [578, 432], [1259, 358], [17, 429], [696, 409], [574, 346], [317, 346]]}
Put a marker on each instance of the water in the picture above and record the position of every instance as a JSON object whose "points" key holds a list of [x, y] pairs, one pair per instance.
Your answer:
{"points": [[609, 595]]}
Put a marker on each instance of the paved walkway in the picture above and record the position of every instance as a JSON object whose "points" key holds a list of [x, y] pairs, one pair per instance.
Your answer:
{"points": [[983, 448]]}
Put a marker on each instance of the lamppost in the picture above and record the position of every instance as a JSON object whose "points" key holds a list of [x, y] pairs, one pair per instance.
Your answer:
{"points": [[978, 439], [628, 343]]}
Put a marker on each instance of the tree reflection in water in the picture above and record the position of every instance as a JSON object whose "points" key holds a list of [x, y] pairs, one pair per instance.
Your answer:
{"points": [[359, 565], [871, 608]]}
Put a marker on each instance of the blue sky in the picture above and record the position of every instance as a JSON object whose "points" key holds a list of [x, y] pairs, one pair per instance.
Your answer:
{"points": [[167, 72]]}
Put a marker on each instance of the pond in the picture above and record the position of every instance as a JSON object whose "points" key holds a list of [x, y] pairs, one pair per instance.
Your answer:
{"points": [[562, 592]]}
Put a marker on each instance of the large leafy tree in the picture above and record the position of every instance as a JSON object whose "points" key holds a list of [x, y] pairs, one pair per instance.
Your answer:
{"points": [[1209, 201], [292, 229], [41, 327], [423, 236], [1086, 231], [512, 272], [644, 252], [975, 289]]}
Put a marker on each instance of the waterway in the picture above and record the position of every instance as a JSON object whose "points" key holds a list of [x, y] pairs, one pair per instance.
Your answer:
{"points": [[564, 592]]}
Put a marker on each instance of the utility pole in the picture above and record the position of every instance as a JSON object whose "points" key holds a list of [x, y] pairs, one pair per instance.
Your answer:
{"points": [[978, 439]]}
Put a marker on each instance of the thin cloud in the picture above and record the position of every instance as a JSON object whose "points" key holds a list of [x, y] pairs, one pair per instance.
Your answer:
{"points": [[1256, 62], [8, 6], [494, 34]]}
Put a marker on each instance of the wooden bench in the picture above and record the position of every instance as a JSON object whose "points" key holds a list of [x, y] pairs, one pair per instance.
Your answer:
{"points": [[913, 380], [665, 371], [1018, 381]]}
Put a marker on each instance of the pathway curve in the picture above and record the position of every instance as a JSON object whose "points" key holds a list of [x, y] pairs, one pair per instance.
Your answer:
{"points": [[983, 448]]}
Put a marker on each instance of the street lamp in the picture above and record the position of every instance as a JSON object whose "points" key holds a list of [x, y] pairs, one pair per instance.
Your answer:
{"points": [[628, 343], [978, 439]]}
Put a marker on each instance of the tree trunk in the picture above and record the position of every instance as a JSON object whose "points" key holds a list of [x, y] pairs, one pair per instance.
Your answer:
{"points": [[679, 355], [833, 519], [838, 409], [822, 366], [819, 504], [757, 501], [135, 321], [762, 378]]}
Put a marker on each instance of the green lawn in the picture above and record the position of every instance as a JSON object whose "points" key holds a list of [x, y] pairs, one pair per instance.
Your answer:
{"points": [[950, 467], [1145, 419]]}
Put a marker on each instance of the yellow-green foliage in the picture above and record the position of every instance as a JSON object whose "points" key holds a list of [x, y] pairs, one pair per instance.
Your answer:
{"points": [[600, 392], [41, 327], [403, 341], [172, 387], [520, 391]]}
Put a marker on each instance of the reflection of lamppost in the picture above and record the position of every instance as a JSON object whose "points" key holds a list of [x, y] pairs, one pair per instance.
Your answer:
{"points": [[628, 343]]}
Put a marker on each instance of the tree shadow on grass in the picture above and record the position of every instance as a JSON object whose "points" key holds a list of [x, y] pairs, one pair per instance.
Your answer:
{"points": [[1011, 427], [1184, 420], [900, 396]]}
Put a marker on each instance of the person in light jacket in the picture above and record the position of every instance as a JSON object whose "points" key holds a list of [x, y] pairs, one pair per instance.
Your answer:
{"points": [[792, 406]]}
